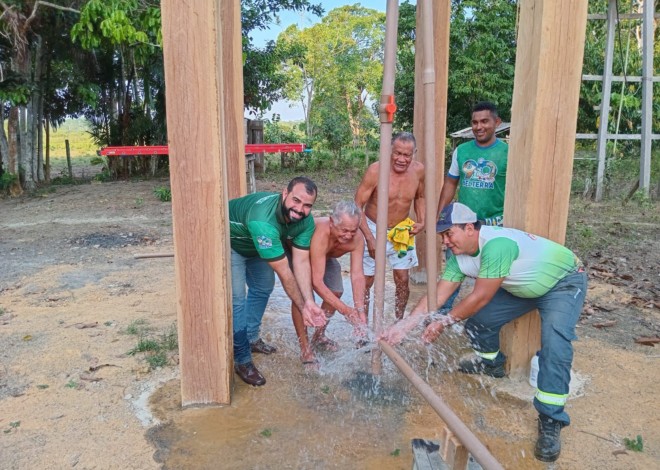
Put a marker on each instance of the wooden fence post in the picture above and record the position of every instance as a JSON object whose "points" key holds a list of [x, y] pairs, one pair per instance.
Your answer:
{"points": [[68, 157], [546, 91]]}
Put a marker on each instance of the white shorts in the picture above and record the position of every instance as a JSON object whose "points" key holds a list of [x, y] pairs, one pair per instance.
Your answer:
{"points": [[407, 262]]}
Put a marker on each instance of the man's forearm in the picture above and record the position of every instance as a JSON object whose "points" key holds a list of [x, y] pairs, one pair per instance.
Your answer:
{"points": [[447, 193], [303, 274], [291, 288], [420, 210], [327, 296], [466, 308], [359, 285]]}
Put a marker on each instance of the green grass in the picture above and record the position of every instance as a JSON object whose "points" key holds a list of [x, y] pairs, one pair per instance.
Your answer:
{"points": [[145, 344], [42, 387], [170, 339], [136, 327], [157, 360], [72, 384], [163, 193]]}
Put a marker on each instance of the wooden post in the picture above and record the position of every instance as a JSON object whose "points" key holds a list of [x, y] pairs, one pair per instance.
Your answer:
{"points": [[441, 21], [605, 98], [544, 115], [232, 76], [68, 158], [647, 96], [193, 41]]}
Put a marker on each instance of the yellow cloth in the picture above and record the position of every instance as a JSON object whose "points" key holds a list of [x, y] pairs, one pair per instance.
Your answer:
{"points": [[401, 238]]}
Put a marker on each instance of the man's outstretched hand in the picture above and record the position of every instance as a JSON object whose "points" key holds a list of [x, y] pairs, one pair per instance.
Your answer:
{"points": [[394, 334], [432, 331], [313, 315]]}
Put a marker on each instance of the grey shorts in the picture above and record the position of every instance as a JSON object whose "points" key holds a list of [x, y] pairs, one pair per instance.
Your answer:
{"points": [[332, 278]]}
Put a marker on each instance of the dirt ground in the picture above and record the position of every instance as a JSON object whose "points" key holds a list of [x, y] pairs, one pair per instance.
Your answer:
{"points": [[73, 302]]}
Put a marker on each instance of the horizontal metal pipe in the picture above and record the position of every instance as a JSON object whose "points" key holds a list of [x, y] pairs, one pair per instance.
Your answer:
{"points": [[479, 451], [153, 255]]}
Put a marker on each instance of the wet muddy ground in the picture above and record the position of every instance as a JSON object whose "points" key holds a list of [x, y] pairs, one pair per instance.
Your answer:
{"points": [[66, 264]]}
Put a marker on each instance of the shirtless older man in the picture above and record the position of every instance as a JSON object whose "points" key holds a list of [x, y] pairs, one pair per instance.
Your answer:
{"points": [[406, 186], [333, 237]]}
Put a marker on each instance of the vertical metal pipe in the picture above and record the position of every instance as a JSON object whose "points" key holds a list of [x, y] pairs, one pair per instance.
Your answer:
{"points": [[647, 96], [428, 79], [479, 451], [605, 99], [391, 27]]}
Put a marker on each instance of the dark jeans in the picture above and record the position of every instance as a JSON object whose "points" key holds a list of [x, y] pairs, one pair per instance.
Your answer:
{"points": [[560, 309], [249, 308]]}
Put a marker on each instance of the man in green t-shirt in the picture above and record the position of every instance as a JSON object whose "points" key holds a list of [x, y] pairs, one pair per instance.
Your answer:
{"points": [[516, 272], [478, 170], [260, 225]]}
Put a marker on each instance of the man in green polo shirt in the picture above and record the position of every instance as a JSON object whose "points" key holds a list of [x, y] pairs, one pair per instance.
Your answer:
{"points": [[261, 224], [478, 170], [516, 272]]}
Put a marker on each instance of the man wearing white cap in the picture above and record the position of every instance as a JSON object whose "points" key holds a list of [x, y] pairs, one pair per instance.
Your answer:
{"points": [[516, 272]]}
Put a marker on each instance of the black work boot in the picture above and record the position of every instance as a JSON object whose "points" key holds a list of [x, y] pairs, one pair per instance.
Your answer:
{"points": [[477, 366], [548, 446]]}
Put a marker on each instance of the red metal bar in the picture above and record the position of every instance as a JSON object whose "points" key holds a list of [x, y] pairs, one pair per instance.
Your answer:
{"points": [[164, 150]]}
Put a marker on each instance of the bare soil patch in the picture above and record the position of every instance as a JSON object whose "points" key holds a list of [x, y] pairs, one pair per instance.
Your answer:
{"points": [[66, 260]]}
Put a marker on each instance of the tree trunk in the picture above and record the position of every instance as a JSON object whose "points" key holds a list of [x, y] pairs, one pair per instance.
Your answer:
{"points": [[354, 122], [15, 189], [37, 99]]}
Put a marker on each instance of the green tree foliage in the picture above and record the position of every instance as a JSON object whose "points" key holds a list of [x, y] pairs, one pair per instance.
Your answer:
{"points": [[405, 81], [481, 58], [340, 69]]}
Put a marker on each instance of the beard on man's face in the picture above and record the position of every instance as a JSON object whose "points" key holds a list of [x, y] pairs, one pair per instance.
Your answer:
{"points": [[292, 214]]}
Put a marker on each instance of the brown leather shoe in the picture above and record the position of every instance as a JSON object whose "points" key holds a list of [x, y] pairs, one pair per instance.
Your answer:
{"points": [[249, 374], [260, 347]]}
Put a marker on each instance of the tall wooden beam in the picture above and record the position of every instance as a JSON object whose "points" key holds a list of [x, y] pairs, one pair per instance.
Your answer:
{"points": [[441, 21], [544, 115], [232, 76], [193, 41]]}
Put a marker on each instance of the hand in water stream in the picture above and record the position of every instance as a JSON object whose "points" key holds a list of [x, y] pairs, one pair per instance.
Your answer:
{"points": [[313, 315], [432, 331], [394, 334]]}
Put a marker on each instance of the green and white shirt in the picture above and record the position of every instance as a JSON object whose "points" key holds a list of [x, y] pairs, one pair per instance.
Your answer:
{"points": [[481, 172], [257, 227], [530, 265]]}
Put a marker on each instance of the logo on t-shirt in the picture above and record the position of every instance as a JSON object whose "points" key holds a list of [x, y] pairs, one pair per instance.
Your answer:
{"points": [[533, 237], [479, 174], [264, 242]]}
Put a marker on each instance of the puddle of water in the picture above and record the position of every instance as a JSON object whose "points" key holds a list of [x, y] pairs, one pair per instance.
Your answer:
{"points": [[342, 417]]}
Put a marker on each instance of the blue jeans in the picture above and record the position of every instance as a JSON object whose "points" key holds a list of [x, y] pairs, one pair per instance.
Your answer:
{"points": [[249, 309], [560, 309]]}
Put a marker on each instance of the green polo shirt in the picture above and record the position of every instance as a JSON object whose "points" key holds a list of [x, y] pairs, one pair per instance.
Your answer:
{"points": [[257, 227]]}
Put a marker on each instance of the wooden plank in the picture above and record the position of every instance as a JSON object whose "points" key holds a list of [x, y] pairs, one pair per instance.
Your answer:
{"points": [[457, 455], [647, 96], [544, 115], [232, 85], [426, 456], [441, 22], [601, 146], [192, 44]]}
